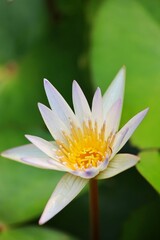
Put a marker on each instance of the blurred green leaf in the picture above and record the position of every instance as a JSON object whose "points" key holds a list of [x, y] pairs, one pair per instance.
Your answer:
{"points": [[143, 223], [53, 58], [33, 233], [152, 7], [22, 23], [125, 33], [149, 167], [18, 98]]}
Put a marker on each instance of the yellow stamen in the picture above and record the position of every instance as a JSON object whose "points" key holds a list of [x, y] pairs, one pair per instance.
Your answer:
{"points": [[85, 147]]}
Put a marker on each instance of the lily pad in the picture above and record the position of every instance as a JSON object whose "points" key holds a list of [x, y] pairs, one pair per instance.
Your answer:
{"points": [[22, 23], [149, 168], [33, 233]]}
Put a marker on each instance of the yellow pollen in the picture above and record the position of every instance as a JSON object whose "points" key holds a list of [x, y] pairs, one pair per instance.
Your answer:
{"points": [[85, 147]]}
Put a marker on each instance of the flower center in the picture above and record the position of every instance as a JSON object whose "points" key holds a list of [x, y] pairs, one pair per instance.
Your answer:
{"points": [[85, 147]]}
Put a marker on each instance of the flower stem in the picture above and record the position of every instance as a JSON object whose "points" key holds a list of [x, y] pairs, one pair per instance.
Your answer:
{"points": [[94, 210]]}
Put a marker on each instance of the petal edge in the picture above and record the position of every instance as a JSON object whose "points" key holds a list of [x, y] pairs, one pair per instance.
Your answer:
{"points": [[118, 164]]}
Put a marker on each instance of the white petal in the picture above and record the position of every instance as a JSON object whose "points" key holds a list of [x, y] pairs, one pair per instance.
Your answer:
{"points": [[117, 142], [47, 163], [118, 164], [97, 111], [66, 190], [104, 165], [48, 148], [28, 150], [81, 107], [129, 128], [31, 155], [59, 105], [113, 118], [115, 91], [53, 123]]}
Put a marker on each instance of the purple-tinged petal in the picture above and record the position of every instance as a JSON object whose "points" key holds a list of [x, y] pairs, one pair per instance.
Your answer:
{"points": [[49, 148], [117, 142], [28, 150], [53, 123], [46, 163], [81, 106], [113, 118], [59, 105], [118, 164], [115, 91], [97, 111], [130, 127], [31, 155], [66, 190], [104, 164]]}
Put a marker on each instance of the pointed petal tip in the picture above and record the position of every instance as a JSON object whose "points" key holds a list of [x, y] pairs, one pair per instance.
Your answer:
{"points": [[7, 153], [48, 86], [121, 76], [4, 154], [41, 106], [143, 113], [29, 137], [123, 67], [26, 135], [97, 93], [41, 221], [122, 73], [45, 81], [75, 83], [98, 90], [146, 110], [138, 158]]}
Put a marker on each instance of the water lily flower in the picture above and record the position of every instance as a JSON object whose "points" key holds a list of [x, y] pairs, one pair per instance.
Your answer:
{"points": [[86, 141]]}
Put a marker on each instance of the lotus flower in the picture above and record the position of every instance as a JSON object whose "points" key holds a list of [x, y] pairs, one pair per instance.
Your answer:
{"points": [[86, 141]]}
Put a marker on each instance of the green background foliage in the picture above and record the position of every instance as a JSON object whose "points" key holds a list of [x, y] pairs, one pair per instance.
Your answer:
{"points": [[88, 41]]}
